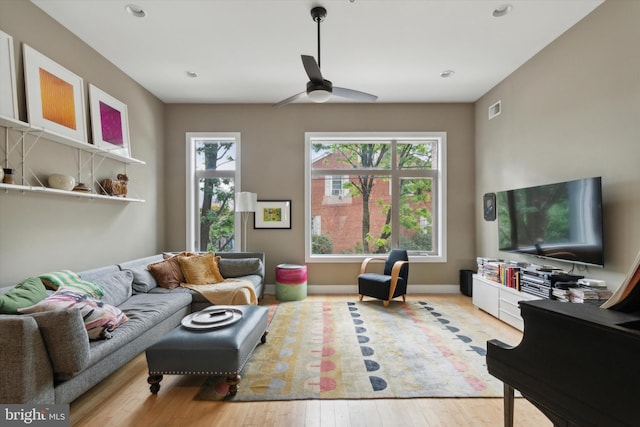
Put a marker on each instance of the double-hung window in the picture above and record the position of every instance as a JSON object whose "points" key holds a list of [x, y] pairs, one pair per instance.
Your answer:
{"points": [[367, 193], [213, 174]]}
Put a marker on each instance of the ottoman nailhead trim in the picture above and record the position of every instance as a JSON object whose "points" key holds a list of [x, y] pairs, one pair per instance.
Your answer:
{"points": [[192, 373]]}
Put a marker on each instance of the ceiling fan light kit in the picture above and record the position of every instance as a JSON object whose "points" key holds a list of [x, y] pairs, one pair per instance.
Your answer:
{"points": [[320, 89], [319, 93]]}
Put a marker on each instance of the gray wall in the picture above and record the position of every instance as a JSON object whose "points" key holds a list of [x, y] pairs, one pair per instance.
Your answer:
{"points": [[39, 232], [572, 111], [273, 167]]}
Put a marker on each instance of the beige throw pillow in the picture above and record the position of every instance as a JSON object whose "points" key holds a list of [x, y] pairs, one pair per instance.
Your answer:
{"points": [[201, 269]]}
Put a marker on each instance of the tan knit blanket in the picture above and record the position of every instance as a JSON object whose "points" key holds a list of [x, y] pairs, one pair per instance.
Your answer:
{"points": [[228, 292]]}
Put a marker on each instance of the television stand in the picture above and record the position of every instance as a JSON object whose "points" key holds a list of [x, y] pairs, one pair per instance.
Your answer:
{"points": [[499, 301]]}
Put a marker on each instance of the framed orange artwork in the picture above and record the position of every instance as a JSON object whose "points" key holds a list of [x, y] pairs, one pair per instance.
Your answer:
{"points": [[55, 96]]}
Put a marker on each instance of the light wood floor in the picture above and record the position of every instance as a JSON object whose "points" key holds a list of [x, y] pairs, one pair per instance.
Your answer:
{"points": [[124, 399]]}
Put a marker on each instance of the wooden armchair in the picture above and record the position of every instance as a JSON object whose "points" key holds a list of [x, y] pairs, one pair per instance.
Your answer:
{"points": [[391, 284]]}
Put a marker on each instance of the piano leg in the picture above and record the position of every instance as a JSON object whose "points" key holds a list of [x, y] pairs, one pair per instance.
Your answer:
{"points": [[508, 405]]}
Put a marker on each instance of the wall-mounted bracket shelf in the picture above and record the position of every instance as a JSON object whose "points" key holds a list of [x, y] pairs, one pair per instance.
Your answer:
{"points": [[21, 126], [78, 194], [41, 133]]}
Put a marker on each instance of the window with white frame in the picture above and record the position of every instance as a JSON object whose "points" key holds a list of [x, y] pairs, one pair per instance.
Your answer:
{"points": [[369, 192], [213, 175]]}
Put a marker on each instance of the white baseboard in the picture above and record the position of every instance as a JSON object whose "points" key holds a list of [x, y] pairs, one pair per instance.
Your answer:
{"points": [[353, 289]]}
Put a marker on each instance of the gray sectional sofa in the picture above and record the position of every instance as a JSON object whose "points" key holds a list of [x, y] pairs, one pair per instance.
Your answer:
{"points": [[48, 358]]}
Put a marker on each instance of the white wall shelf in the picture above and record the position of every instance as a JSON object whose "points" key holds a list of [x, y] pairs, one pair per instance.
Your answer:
{"points": [[41, 133], [26, 128], [78, 194]]}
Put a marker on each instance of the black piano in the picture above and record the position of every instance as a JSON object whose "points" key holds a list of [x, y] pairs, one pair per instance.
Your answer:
{"points": [[578, 363]]}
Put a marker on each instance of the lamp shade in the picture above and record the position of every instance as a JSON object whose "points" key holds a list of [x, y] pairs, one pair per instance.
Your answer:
{"points": [[246, 202]]}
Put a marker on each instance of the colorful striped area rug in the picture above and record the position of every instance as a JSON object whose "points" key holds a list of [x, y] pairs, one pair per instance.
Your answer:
{"points": [[363, 350]]}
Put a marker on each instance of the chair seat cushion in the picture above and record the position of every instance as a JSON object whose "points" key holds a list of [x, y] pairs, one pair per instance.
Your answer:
{"points": [[377, 285]]}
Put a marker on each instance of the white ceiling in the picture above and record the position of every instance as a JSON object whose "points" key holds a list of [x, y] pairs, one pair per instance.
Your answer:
{"points": [[248, 51]]}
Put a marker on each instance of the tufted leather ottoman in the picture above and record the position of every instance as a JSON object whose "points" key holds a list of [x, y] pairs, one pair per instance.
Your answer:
{"points": [[222, 351]]}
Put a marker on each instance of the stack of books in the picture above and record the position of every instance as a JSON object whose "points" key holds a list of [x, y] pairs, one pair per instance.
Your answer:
{"points": [[589, 295], [482, 262], [560, 294], [510, 276]]}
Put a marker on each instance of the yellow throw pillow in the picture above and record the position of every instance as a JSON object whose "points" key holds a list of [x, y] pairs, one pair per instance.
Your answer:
{"points": [[201, 269]]}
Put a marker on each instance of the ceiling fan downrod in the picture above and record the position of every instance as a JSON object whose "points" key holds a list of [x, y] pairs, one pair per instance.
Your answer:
{"points": [[318, 14]]}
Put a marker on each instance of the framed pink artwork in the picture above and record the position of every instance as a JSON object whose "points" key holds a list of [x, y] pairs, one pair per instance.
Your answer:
{"points": [[109, 122]]}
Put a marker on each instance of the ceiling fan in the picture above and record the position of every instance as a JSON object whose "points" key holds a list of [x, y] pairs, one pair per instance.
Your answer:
{"points": [[318, 88]]}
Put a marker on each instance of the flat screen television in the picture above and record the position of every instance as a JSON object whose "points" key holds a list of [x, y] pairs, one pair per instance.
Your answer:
{"points": [[561, 221]]}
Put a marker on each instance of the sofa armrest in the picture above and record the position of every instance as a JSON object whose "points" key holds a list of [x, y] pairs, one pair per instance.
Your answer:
{"points": [[27, 376]]}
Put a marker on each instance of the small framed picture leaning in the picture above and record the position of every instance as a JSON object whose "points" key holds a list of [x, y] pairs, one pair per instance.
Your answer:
{"points": [[273, 214]]}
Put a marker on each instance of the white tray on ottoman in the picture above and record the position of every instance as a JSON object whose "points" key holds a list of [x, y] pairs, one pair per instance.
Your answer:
{"points": [[209, 347]]}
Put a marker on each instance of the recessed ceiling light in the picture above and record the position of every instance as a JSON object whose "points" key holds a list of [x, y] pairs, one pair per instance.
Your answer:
{"points": [[192, 74], [135, 10], [447, 73], [502, 10]]}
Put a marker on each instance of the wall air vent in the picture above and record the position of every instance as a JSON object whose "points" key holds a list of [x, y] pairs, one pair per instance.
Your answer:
{"points": [[495, 110]]}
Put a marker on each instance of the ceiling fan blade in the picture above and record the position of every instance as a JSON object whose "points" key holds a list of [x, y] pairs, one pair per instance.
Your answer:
{"points": [[289, 100], [312, 68], [354, 94]]}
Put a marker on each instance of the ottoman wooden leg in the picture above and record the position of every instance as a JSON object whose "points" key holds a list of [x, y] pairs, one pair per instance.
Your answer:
{"points": [[233, 381], [154, 381], [264, 337]]}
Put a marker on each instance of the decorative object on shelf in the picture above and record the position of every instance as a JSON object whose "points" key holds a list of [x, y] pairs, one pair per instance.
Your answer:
{"points": [[273, 214], [55, 96], [8, 88], [489, 205], [109, 122], [7, 176], [245, 204], [115, 188], [62, 182], [82, 188]]}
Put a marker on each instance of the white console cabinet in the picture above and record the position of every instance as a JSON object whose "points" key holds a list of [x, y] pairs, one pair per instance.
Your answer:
{"points": [[499, 301]]}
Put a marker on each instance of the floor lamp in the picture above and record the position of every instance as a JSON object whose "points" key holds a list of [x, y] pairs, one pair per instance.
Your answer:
{"points": [[245, 204]]}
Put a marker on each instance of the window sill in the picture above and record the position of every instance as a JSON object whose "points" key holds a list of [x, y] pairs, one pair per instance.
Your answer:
{"points": [[357, 259]]}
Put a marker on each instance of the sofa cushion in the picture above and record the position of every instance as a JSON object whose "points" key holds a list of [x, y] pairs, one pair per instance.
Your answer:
{"points": [[116, 287], [24, 294], [99, 318], [144, 312], [70, 279], [66, 339], [143, 280], [201, 269], [230, 267], [168, 272]]}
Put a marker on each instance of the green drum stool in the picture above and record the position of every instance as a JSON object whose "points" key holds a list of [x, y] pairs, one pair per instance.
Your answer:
{"points": [[291, 282]]}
